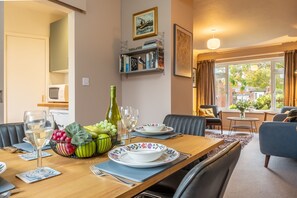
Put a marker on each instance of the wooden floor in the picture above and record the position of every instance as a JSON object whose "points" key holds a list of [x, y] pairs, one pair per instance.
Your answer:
{"points": [[251, 179]]}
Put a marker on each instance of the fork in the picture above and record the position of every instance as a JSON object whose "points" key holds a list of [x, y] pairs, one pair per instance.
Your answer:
{"points": [[100, 173]]}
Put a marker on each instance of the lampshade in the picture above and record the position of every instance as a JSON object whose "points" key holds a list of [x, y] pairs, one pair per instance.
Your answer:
{"points": [[213, 43]]}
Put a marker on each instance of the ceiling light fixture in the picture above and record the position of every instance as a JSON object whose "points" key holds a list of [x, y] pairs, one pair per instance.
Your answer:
{"points": [[213, 43]]}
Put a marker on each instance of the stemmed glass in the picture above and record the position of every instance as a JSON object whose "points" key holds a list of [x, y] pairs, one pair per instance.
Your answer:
{"points": [[38, 126], [129, 117]]}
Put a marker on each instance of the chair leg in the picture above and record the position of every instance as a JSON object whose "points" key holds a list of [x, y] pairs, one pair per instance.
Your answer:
{"points": [[267, 157], [221, 129]]}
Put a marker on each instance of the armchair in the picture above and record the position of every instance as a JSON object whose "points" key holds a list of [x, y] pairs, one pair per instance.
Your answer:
{"points": [[278, 139], [282, 115], [217, 120]]}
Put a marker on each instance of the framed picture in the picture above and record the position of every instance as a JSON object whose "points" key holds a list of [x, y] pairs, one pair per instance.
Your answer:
{"points": [[145, 23], [183, 52], [194, 77]]}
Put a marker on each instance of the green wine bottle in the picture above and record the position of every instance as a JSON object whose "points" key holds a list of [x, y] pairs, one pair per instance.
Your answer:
{"points": [[113, 115]]}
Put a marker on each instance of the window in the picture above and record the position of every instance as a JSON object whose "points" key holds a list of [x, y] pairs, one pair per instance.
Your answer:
{"points": [[260, 81]]}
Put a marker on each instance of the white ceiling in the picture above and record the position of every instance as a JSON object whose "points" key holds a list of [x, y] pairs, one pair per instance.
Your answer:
{"points": [[244, 23]]}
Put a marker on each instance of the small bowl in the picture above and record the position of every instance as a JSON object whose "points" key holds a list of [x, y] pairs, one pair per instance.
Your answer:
{"points": [[145, 151], [154, 127]]}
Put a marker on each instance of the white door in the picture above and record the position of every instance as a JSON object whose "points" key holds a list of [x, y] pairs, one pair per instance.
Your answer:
{"points": [[25, 74]]}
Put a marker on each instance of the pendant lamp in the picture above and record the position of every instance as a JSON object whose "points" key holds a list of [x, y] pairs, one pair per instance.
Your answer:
{"points": [[213, 43]]}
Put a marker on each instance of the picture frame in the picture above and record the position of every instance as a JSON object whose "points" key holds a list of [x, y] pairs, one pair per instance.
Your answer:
{"points": [[183, 52], [145, 23], [194, 77]]}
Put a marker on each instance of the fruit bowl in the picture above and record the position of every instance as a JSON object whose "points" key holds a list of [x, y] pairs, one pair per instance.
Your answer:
{"points": [[96, 147]]}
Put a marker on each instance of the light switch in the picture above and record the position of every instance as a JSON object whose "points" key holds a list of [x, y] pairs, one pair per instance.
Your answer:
{"points": [[85, 81]]}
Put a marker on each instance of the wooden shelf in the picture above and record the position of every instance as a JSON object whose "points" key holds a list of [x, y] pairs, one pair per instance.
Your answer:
{"points": [[144, 70], [54, 104]]}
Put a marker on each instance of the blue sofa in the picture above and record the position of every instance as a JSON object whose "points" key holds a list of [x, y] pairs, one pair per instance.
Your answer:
{"points": [[278, 139]]}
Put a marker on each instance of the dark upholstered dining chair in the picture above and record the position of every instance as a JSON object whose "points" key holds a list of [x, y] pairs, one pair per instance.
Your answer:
{"points": [[186, 124], [11, 133], [207, 179], [217, 120]]}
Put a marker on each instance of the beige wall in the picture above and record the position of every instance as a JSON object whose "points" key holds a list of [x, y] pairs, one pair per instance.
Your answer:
{"points": [[1, 59], [97, 44], [149, 92], [181, 88]]}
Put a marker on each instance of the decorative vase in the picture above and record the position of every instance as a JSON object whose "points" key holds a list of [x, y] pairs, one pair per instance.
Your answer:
{"points": [[242, 114]]}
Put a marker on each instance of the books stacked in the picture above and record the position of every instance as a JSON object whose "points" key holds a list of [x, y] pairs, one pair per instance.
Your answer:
{"points": [[152, 43]]}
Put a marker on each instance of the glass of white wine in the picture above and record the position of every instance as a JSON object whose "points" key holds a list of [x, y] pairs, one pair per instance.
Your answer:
{"points": [[38, 126]]}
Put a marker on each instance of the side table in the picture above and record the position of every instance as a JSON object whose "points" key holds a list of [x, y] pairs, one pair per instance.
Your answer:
{"points": [[251, 123]]}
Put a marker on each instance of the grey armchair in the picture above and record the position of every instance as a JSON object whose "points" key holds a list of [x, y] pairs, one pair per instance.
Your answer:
{"points": [[282, 115], [278, 139], [207, 179], [217, 120]]}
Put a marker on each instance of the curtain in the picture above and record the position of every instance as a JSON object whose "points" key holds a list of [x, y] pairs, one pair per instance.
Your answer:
{"points": [[205, 83], [290, 98]]}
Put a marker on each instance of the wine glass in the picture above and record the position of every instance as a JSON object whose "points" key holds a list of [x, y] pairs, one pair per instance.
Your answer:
{"points": [[129, 117], [38, 128]]}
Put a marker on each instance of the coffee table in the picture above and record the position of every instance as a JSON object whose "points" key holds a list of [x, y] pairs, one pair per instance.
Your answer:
{"points": [[251, 123]]}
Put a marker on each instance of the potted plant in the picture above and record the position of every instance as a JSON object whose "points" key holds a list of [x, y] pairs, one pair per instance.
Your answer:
{"points": [[242, 105]]}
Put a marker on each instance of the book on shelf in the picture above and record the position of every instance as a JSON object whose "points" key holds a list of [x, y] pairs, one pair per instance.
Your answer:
{"points": [[133, 63]]}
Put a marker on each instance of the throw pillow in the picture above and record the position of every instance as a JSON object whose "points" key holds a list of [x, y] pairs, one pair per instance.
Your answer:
{"points": [[206, 113]]}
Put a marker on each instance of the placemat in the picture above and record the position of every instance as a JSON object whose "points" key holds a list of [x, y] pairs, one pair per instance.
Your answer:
{"points": [[135, 174], [33, 155], [5, 185], [28, 147], [161, 137]]}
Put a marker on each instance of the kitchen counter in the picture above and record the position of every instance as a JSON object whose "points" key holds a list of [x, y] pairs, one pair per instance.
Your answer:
{"points": [[54, 104]]}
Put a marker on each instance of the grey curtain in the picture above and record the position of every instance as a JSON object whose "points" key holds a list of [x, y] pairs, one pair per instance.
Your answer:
{"points": [[205, 83], [290, 98]]}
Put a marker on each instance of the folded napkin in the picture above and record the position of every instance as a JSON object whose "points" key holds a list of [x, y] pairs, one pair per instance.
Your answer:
{"points": [[28, 147], [5, 185], [161, 137], [135, 174]]}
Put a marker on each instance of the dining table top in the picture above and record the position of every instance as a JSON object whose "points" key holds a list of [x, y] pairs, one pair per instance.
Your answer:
{"points": [[77, 180]]}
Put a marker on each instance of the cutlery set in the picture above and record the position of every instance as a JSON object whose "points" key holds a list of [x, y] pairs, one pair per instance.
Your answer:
{"points": [[100, 173]]}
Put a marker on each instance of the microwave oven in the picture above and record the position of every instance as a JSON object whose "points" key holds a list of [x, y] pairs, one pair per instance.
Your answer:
{"points": [[58, 93]]}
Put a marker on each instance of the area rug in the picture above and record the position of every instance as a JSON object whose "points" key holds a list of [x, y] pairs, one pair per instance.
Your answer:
{"points": [[243, 138]]}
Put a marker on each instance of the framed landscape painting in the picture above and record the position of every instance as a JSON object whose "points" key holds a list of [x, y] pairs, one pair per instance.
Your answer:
{"points": [[183, 50], [145, 23]]}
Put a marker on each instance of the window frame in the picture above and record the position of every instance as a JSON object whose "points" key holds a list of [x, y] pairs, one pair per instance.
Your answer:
{"points": [[273, 72]]}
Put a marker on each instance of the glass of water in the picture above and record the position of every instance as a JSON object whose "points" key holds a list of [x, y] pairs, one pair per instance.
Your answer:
{"points": [[38, 126]]}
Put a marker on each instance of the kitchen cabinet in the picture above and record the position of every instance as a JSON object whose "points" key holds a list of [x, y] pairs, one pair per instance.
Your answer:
{"points": [[58, 45]]}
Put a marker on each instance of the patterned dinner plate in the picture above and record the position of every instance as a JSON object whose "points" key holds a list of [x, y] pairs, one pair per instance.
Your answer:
{"points": [[120, 155], [2, 167], [165, 130]]}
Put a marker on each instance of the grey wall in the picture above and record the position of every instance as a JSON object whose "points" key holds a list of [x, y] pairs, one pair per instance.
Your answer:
{"points": [[97, 46], [149, 92]]}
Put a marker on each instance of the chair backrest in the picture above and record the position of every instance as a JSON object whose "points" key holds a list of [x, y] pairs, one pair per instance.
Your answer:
{"points": [[210, 177], [213, 107], [186, 124], [11, 133], [287, 108]]}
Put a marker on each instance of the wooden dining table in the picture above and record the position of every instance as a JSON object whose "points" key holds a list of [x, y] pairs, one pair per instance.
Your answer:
{"points": [[77, 180]]}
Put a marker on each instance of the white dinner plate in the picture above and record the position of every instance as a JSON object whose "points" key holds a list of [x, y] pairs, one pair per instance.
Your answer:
{"points": [[2, 167], [165, 130], [119, 155]]}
